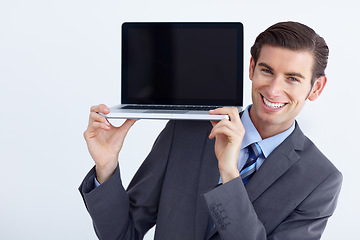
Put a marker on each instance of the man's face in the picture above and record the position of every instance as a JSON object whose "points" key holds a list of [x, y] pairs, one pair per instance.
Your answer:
{"points": [[281, 84]]}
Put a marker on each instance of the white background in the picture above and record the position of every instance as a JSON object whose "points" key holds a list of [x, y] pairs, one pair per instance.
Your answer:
{"points": [[57, 58]]}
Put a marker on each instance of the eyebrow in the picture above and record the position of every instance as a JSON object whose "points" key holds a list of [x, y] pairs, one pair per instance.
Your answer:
{"points": [[295, 74]]}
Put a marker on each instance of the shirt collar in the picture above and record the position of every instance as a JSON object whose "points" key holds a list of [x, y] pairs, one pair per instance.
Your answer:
{"points": [[252, 135]]}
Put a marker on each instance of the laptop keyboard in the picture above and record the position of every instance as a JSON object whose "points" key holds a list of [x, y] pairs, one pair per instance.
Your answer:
{"points": [[173, 107]]}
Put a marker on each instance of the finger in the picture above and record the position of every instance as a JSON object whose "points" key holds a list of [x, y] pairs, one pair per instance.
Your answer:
{"points": [[232, 112], [213, 123], [222, 130], [220, 126], [102, 108], [221, 122], [93, 128], [95, 117], [235, 128], [99, 125]]}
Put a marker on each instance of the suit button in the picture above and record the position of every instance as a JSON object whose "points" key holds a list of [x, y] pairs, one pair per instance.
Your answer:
{"points": [[220, 220], [213, 207], [216, 214], [222, 227]]}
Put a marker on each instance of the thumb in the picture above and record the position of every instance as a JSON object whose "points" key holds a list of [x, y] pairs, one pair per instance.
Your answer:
{"points": [[125, 127], [121, 132]]}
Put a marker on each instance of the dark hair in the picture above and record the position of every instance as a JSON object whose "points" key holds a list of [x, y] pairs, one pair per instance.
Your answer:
{"points": [[295, 36]]}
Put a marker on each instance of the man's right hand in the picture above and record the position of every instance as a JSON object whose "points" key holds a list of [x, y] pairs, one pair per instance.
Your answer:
{"points": [[105, 141]]}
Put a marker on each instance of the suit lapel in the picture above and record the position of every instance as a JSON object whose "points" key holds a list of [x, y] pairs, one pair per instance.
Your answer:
{"points": [[277, 163], [208, 179]]}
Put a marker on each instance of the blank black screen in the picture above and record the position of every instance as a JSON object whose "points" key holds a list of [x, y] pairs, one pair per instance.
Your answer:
{"points": [[182, 63]]}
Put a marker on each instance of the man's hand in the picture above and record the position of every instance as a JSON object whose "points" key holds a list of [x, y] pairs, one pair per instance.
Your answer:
{"points": [[105, 141], [229, 135]]}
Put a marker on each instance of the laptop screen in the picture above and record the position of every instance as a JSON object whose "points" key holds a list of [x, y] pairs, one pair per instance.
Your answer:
{"points": [[182, 63]]}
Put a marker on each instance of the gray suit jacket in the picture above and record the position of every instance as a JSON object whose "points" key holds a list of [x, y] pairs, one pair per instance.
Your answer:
{"points": [[290, 197]]}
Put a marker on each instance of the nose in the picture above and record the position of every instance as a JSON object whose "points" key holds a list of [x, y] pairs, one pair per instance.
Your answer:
{"points": [[275, 87]]}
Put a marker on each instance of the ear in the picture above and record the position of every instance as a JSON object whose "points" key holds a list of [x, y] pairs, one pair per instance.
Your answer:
{"points": [[251, 68], [317, 88]]}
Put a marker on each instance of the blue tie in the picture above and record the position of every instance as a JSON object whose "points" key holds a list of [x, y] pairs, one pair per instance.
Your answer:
{"points": [[250, 166]]}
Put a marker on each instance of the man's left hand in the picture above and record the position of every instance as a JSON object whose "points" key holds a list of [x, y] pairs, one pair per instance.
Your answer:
{"points": [[228, 136]]}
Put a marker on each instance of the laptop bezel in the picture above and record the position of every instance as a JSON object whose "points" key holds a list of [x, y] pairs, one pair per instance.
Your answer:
{"points": [[238, 26]]}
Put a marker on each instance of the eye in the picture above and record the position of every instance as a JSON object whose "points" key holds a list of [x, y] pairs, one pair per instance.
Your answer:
{"points": [[266, 71], [292, 79]]}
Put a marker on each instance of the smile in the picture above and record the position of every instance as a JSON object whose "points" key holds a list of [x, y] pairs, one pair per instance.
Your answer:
{"points": [[272, 105]]}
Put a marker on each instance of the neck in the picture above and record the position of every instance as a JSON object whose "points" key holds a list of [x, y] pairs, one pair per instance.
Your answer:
{"points": [[268, 129]]}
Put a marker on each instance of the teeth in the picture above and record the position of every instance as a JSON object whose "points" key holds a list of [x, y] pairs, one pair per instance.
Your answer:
{"points": [[273, 105]]}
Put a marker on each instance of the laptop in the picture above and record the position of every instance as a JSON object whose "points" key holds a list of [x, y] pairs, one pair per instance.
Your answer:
{"points": [[180, 70]]}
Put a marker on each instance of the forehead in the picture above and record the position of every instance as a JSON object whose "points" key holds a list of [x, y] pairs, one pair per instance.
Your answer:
{"points": [[287, 60]]}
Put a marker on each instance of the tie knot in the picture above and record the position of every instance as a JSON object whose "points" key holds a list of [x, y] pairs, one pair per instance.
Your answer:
{"points": [[254, 150]]}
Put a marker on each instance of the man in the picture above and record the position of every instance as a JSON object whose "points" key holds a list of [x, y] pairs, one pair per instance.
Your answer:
{"points": [[199, 180]]}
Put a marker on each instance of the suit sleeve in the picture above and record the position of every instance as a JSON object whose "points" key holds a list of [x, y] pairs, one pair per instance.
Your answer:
{"points": [[128, 214], [234, 216]]}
